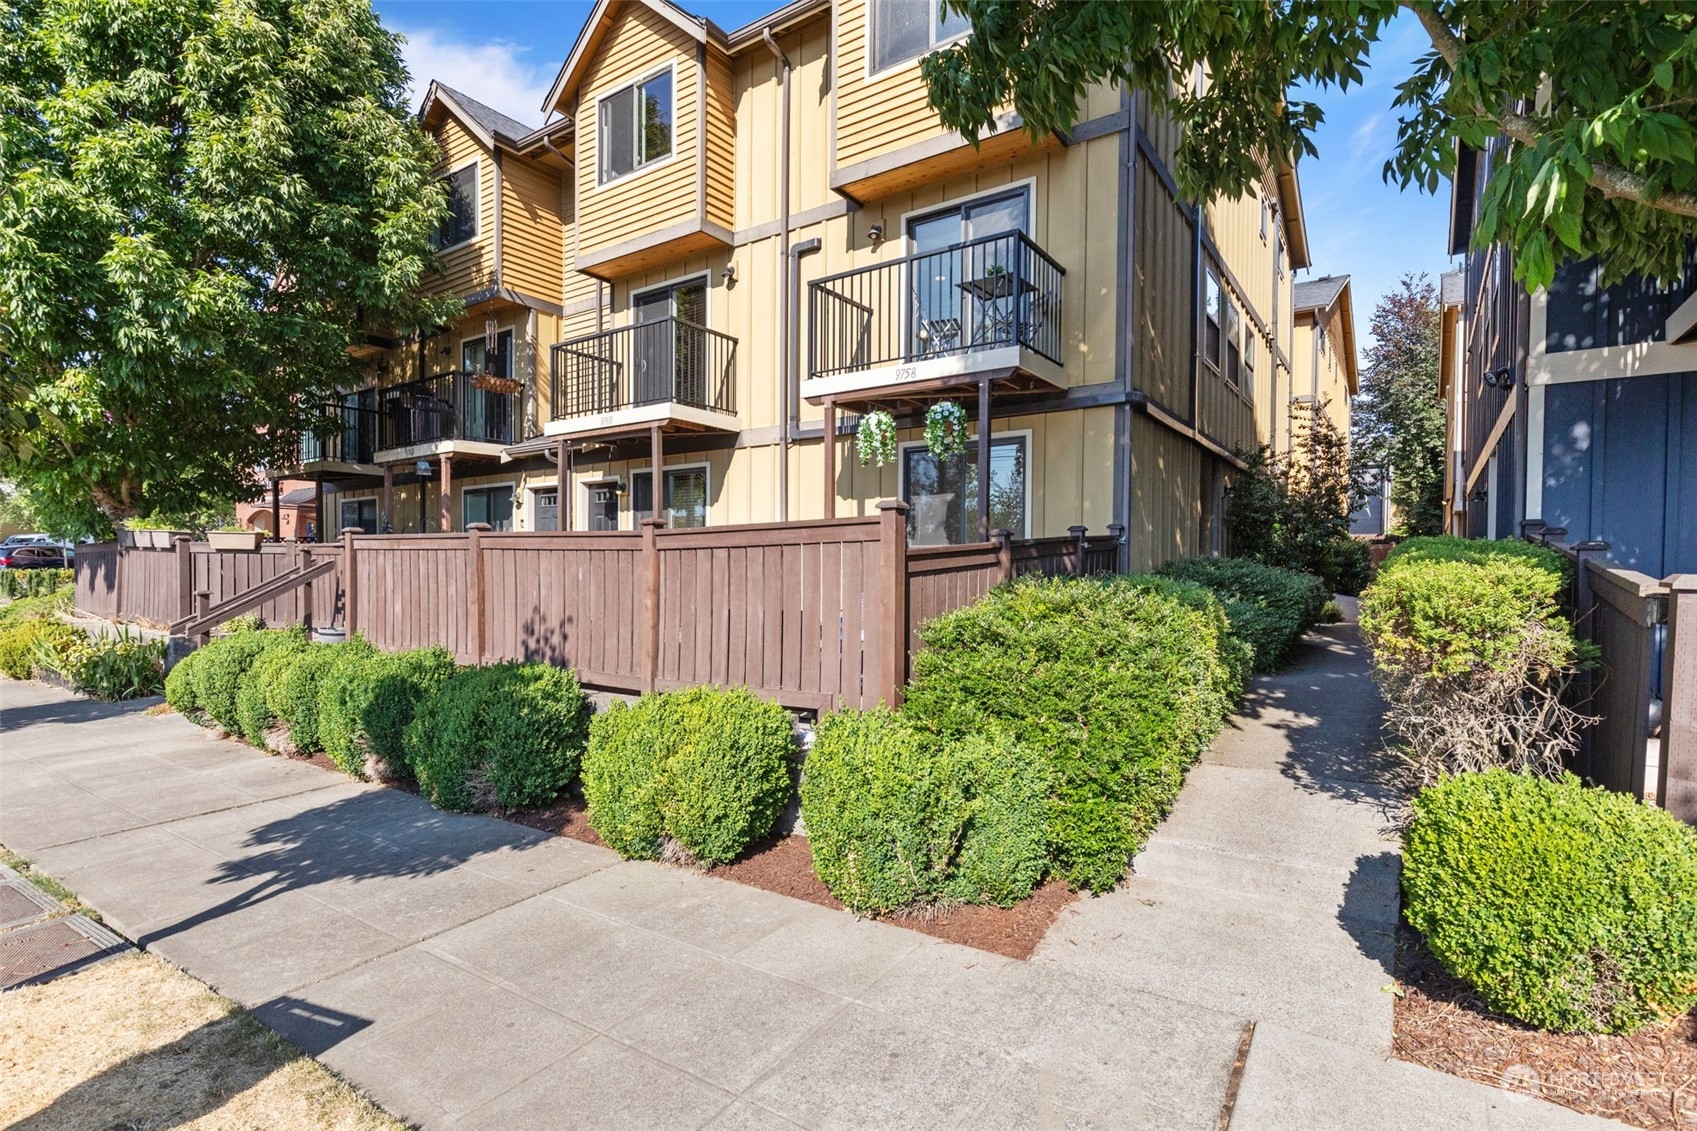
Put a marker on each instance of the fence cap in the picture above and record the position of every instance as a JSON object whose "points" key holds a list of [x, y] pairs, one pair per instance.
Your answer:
{"points": [[897, 505], [478, 526]]}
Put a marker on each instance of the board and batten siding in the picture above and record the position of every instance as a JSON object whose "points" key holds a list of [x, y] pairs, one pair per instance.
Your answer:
{"points": [[471, 265], [639, 44], [1168, 479]]}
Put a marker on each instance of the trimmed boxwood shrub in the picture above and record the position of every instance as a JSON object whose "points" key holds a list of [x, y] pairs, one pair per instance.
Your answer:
{"points": [[1567, 908], [1269, 608], [1475, 551], [293, 697], [366, 700], [707, 767], [1004, 845], [498, 737], [1116, 683], [217, 678], [254, 713], [19, 640], [182, 682]]}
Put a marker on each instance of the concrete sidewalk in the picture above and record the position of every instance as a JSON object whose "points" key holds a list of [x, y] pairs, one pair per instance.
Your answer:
{"points": [[471, 973]]}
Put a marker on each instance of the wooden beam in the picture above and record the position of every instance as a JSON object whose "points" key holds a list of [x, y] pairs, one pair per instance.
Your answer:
{"points": [[830, 458], [657, 457], [447, 501], [387, 523], [276, 510], [984, 458]]}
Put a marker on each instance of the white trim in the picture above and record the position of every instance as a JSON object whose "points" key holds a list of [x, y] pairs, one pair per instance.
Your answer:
{"points": [[1491, 497], [477, 210], [512, 486], [666, 11], [670, 68], [436, 448], [660, 491], [1026, 434], [1535, 452], [642, 414], [868, 75], [1682, 322], [1605, 363]]}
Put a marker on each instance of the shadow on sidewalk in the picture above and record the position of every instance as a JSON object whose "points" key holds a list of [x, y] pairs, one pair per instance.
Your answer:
{"points": [[1372, 904], [367, 836], [71, 709]]}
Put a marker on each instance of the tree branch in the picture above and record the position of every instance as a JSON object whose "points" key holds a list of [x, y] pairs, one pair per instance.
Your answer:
{"points": [[1610, 180]]}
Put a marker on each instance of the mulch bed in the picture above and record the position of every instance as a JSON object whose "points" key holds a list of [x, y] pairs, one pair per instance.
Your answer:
{"points": [[785, 865], [1646, 1080]]}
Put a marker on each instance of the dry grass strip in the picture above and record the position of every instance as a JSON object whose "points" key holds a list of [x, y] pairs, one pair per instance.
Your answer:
{"points": [[135, 1043]]}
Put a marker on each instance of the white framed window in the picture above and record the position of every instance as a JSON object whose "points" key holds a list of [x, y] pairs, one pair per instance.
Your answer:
{"points": [[1214, 321], [686, 496], [459, 225], [635, 126], [942, 495], [1234, 334], [906, 29]]}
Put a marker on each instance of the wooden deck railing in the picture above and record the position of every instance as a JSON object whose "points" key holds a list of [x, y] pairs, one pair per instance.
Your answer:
{"points": [[810, 614]]}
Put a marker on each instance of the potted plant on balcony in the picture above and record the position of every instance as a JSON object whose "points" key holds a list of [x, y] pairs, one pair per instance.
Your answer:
{"points": [[945, 429], [876, 440], [235, 538]]}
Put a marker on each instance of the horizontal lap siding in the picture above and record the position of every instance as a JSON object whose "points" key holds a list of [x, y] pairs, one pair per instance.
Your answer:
{"points": [[470, 266], [532, 229], [721, 134], [875, 116]]}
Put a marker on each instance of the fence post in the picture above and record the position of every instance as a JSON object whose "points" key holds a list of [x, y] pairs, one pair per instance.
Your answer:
{"points": [[1676, 787], [474, 582], [651, 601], [303, 562], [1077, 533], [185, 577], [892, 539], [350, 583], [122, 567], [202, 606], [1116, 531], [1003, 538]]}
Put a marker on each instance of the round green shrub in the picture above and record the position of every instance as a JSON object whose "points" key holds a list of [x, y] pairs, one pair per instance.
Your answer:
{"points": [[1269, 608], [727, 771], [217, 679], [499, 737], [884, 806], [254, 713], [1345, 565], [1568, 908], [1004, 846], [293, 698], [367, 699], [182, 684], [622, 774], [19, 641], [1117, 684]]}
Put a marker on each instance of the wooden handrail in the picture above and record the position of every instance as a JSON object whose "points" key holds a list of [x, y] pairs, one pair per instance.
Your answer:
{"points": [[198, 625]]}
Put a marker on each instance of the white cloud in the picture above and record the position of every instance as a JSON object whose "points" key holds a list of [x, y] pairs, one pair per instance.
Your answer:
{"points": [[496, 73]]}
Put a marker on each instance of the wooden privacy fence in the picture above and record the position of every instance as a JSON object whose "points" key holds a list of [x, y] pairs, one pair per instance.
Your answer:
{"points": [[810, 614], [1644, 689]]}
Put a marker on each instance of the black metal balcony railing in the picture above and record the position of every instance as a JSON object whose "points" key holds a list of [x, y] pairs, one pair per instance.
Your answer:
{"points": [[448, 406], [648, 363], [988, 293], [349, 434]]}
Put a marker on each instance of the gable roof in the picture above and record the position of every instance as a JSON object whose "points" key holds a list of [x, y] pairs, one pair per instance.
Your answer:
{"points": [[1318, 294], [595, 28], [490, 125]]}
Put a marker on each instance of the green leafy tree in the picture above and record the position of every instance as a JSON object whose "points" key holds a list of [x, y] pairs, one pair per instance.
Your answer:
{"points": [[1398, 418], [1593, 98], [1291, 509], [203, 204]]}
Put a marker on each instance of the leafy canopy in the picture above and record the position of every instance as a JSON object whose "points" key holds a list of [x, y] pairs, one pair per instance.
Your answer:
{"points": [[1593, 98], [204, 204], [1397, 421]]}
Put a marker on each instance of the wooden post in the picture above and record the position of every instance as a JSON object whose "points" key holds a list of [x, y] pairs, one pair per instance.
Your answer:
{"points": [[202, 606], [447, 508], [657, 455], [984, 458], [303, 562], [650, 602], [892, 543], [350, 583], [276, 510], [1116, 531], [318, 510], [562, 488], [475, 583], [1004, 554], [1676, 786], [830, 458], [185, 576], [122, 560], [387, 523], [1077, 533]]}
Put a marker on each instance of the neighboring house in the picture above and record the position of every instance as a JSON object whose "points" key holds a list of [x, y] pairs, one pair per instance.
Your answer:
{"points": [[1324, 361], [288, 512], [724, 248], [1575, 407]]}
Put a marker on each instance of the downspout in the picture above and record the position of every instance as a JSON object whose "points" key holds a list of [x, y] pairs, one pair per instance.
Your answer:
{"points": [[499, 192], [790, 411]]}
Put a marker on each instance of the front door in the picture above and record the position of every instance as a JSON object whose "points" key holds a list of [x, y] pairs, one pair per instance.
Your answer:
{"points": [[488, 414], [667, 356], [603, 506], [547, 509]]}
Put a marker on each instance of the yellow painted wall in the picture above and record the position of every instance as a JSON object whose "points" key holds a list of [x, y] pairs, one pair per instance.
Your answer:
{"points": [[532, 228], [470, 266]]}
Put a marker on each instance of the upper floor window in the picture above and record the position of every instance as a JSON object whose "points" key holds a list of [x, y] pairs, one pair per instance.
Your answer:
{"points": [[636, 126], [905, 29], [460, 224], [1233, 360], [1214, 301]]}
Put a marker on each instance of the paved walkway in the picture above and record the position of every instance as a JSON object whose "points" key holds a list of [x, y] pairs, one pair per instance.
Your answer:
{"points": [[469, 973]]}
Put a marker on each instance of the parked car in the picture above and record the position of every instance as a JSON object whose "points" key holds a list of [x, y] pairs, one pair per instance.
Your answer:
{"points": [[33, 557], [23, 540]]}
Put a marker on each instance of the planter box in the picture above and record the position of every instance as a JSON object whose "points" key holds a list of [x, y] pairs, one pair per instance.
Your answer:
{"points": [[155, 539], [246, 540]]}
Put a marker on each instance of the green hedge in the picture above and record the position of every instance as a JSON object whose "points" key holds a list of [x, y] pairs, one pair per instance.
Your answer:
{"points": [[709, 768], [1117, 684], [16, 583], [1269, 608], [366, 701], [217, 677], [254, 690], [293, 697], [1474, 551], [20, 640], [1345, 566], [1567, 908], [498, 737], [48, 604]]}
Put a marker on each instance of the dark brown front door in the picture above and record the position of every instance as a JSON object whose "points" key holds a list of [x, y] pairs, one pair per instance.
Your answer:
{"points": [[603, 507]]}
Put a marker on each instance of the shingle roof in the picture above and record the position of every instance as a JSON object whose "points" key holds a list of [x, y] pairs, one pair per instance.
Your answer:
{"points": [[498, 124], [1317, 294]]}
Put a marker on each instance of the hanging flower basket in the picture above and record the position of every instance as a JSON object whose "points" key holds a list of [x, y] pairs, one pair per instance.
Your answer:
{"points": [[876, 440], [490, 383], [945, 429]]}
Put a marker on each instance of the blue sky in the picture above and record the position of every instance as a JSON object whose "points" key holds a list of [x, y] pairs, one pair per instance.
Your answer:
{"points": [[506, 53]]}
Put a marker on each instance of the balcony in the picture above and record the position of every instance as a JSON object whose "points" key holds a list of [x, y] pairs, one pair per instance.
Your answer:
{"points": [[669, 373], [917, 327], [450, 413], [343, 445]]}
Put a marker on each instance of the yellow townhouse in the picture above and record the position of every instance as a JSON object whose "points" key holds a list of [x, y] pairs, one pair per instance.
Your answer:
{"points": [[754, 262]]}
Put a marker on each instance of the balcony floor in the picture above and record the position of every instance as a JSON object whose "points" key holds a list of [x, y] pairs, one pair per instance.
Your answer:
{"points": [[481, 449], [670, 415], [1010, 369]]}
